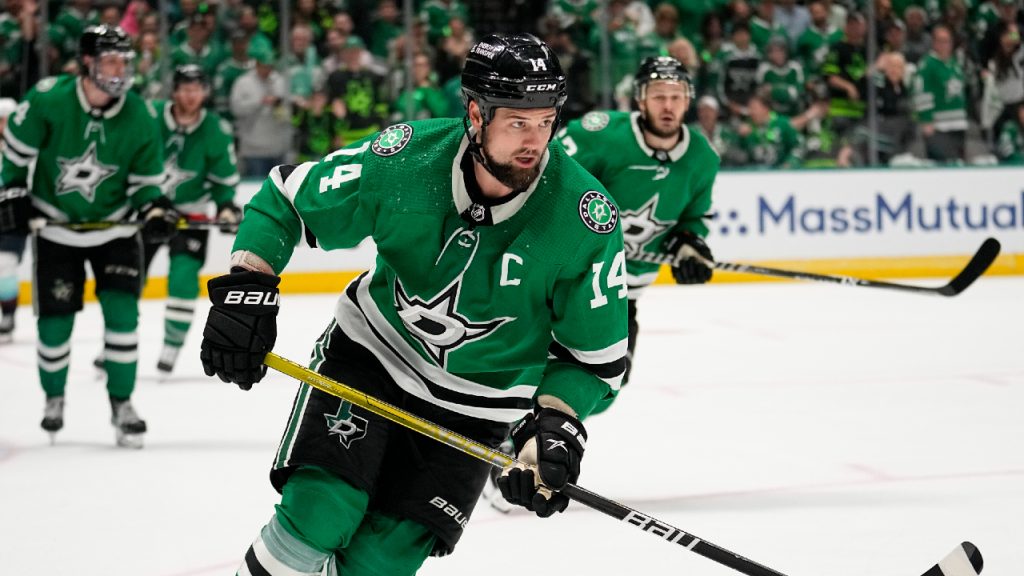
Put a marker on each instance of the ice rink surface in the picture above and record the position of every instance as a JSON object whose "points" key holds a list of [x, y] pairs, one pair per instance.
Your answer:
{"points": [[817, 429]]}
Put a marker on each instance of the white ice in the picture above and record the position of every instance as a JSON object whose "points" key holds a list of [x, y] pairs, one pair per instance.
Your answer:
{"points": [[817, 429]]}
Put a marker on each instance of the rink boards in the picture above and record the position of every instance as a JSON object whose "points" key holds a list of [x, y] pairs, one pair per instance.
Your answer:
{"points": [[872, 223]]}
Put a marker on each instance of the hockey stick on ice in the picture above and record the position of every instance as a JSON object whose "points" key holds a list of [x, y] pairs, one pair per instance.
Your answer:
{"points": [[183, 224], [980, 262], [965, 560]]}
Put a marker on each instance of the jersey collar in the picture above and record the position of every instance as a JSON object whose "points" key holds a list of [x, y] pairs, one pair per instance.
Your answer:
{"points": [[109, 112], [172, 124], [500, 212], [674, 154]]}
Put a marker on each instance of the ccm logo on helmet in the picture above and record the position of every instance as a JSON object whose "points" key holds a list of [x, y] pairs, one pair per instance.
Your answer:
{"points": [[541, 87], [257, 298]]}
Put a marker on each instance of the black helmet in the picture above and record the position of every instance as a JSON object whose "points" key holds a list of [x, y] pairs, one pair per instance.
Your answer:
{"points": [[187, 73], [102, 39], [660, 68], [512, 71]]}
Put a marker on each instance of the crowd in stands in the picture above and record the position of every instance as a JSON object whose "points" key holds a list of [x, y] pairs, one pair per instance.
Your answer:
{"points": [[780, 83]]}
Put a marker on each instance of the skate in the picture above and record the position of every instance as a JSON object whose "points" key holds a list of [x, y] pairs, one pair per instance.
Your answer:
{"points": [[7, 329], [168, 356], [99, 363], [128, 427], [492, 494], [53, 417]]}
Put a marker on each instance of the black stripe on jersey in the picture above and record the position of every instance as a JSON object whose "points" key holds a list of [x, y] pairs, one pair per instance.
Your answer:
{"points": [[437, 391], [285, 170], [16, 146], [120, 347], [253, 564], [186, 309], [54, 358], [605, 371]]}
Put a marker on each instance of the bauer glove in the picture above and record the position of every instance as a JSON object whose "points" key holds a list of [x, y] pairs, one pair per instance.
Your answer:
{"points": [[692, 257], [241, 327], [550, 443]]}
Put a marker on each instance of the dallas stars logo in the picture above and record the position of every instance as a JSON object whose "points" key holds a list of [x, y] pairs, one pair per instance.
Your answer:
{"points": [[640, 226], [174, 176], [437, 325], [83, 174], [346, 425]]}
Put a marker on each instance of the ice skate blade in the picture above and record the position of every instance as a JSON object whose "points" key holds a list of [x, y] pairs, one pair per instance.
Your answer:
{"points": [[124, 440]]}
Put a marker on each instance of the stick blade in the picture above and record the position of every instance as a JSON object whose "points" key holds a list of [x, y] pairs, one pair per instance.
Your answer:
{"points": [[979, 263], [964, 560]]}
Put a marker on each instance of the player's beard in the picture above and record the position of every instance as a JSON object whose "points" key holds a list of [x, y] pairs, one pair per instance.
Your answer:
{"points": [[509, 175], [658, 131]]}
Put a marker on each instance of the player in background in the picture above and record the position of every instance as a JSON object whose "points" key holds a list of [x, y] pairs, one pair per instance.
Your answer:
{"points": [[498, 295], [660, 174], [97, 154], [200, 168], [11, 248]]}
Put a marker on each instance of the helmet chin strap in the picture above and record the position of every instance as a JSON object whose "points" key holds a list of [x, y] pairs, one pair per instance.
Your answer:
{"points": [[476, 149]]}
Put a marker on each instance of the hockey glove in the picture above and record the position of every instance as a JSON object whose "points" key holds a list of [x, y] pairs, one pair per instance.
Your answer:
{"points": [[15, 211], [159, 221], [229, 215], [551, 443], [241, 327], [692, 257]]}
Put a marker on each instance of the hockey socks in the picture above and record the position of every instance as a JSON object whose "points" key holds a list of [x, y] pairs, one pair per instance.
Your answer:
{"points": [[54, 352], [120, 341]]}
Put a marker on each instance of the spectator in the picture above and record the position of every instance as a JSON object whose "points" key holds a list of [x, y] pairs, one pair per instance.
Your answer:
{"points": [[721, 137], [198, 48], [1005, 74], [110, 15], [18, 62], [763, 26], [692, 14], [334, 42], [437, 14], [133, 15], [577, 66], [230, 70], [711, 43], [895, 127], [767, 138], [793, 18], [317, 130], [918, 40], [784, 77], [357, 94], [386, 26], [884, 18], [425, 100], [1011, 140], [822, 146], [453, 48], [740, 60], [148, 73], [813, 46], [307, 13], [845, 70], [894, 37], [179, 29], [939, 100], [248, 22], [666, 24], [67, 27], [303, 65], [259, 105]]}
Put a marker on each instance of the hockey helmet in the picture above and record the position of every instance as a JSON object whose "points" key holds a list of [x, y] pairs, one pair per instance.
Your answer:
{"points": [[655, 68], [189, 73], [512, 71], [99, 40]]}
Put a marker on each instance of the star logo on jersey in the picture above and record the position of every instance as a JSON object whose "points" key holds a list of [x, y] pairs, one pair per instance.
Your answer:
{"points": [[660, 170], [174, 176], [346, 425], [83, 174], [597, 212], [640, 226], [437, 325]]}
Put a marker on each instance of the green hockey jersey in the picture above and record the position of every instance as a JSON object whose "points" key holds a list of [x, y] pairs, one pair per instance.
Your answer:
{"points": [[90, 166], [787, 86], [776, 143], [199, 161], [939, 95], [657, 191], [474, 308]]}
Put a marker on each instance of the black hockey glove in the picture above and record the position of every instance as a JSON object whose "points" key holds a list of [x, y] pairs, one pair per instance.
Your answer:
{"points": [[551, 442], [229, 215], [159, 221], [241, 327], [684, 245], [15, 211]]}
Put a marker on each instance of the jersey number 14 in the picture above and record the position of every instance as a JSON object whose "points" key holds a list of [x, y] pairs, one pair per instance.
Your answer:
{"points": [[616, 277]]}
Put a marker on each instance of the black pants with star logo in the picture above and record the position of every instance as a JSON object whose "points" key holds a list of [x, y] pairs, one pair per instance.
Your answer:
{"points": [[59, 272]]}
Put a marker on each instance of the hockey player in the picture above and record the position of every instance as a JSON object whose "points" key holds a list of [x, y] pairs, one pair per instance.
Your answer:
{"points": [[660, 175], [97, 157], [11, 248], [199, 168], [498, 294]]}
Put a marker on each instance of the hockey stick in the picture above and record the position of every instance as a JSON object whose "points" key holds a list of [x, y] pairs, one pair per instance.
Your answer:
{"points": [[965, 560], [980, 262], [183, 224]]}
